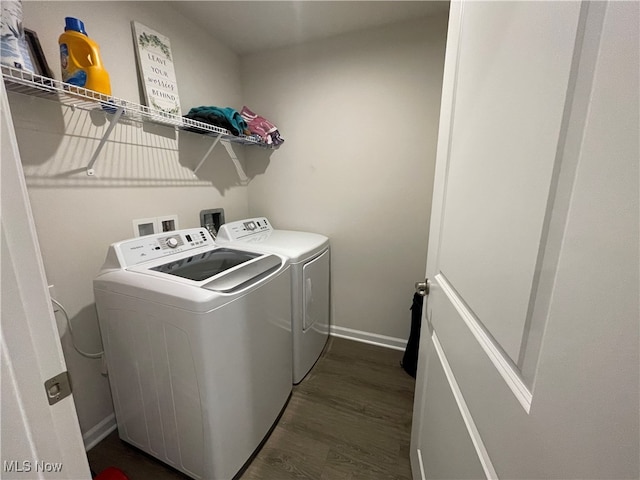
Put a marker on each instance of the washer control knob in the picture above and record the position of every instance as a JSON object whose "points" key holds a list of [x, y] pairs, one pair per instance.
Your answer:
{"points": [[172, 242]]}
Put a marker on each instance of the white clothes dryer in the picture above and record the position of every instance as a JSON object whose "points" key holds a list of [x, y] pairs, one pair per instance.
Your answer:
{"points": [[309, 257], [196, 339]]}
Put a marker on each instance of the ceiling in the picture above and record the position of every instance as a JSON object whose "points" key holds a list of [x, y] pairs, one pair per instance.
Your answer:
{"points": [[254, 26]]}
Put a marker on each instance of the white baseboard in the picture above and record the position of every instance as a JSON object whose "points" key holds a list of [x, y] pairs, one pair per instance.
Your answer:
{"points": [[366, 337], [96, 434]]}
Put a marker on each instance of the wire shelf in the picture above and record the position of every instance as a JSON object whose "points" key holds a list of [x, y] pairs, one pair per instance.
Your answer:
{"points": [[26, 83]]}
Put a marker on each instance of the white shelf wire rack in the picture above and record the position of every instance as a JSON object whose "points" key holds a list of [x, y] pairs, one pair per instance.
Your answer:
{"points": [[26, 83]]}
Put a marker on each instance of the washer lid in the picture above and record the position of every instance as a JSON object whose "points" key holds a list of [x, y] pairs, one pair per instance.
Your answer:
{"points": [[206, 265], [249, 272], [221, 269]]}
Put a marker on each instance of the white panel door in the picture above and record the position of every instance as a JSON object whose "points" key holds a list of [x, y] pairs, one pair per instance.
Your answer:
{"points": [[529, 361], [38, 440]]}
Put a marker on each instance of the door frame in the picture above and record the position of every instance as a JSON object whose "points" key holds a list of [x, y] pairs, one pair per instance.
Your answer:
{"points": [[36, 437]]}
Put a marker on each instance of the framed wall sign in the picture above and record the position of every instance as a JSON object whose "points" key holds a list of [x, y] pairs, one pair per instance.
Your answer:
{"points": [[37, 54], [155, 67]]}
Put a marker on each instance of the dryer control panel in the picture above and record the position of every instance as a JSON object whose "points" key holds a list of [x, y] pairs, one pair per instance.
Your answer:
{"points": [[150, 247], [245, 229]]}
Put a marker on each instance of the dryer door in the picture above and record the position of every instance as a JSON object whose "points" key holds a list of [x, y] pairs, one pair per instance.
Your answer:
{"points": [[315, 278]]}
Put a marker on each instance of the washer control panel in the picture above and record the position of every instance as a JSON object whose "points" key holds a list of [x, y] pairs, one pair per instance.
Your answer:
{"points": [[150, 247], [244, 229]]}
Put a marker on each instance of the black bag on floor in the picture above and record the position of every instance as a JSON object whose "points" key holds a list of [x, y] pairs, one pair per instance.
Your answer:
{"points": [[410, 359]]}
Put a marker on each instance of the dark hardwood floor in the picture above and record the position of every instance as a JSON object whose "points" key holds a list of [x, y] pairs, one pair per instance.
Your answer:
{"points": [[349, 419]]}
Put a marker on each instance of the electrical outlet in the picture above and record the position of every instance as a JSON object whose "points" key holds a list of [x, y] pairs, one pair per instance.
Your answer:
{"points": [[145, 226], [149, 226]]}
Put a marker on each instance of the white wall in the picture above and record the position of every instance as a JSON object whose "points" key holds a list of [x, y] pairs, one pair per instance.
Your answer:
{"points": [[359, 114], [140, 173]]}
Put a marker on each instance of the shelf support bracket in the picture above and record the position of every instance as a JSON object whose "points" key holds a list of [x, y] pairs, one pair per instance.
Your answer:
{"points": [[244, 180], [206, 155], [114, 121]]}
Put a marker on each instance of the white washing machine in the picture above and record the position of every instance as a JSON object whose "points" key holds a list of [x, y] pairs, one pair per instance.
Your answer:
{"points": [[196, 339], [309, 256]]}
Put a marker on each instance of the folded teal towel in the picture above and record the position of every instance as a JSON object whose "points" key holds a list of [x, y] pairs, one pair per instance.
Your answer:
{"points": [[225, 117]]}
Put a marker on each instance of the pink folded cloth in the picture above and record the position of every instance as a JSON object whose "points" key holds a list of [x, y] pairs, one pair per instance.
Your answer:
{"points": [[262, 127]]}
